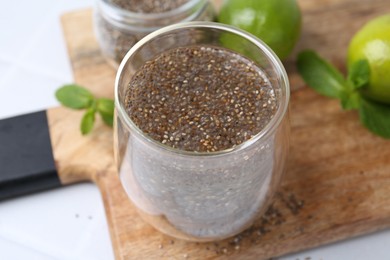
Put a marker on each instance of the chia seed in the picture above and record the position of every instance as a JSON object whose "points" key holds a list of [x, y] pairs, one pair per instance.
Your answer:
{"points": [[201, 99]]}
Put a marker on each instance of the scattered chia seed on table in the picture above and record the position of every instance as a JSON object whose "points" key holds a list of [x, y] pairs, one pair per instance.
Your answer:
{"points": [[201, 99]]}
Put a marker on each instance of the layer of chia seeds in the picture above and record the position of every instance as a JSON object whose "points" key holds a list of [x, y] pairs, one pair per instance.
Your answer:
{"points": [[148, 6], [200, 98]]}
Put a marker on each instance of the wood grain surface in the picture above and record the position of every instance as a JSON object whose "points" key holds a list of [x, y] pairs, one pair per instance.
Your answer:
{"points": [[337, 184]]}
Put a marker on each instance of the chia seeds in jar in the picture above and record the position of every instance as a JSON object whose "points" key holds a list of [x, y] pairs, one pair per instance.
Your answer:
{"points": [[119, 24], [201, 134]]}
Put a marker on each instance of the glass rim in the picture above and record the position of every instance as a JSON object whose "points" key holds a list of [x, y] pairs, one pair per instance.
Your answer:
{"points": [[150, 16], [271, 126]]}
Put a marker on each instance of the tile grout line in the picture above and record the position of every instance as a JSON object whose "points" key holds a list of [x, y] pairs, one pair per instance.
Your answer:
{"points": [[12, 70], [46, 22], [33, 69], [28, 247]]}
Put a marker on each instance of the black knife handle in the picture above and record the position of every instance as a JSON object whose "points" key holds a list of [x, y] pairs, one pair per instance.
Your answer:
{"points": [[26, 157]]}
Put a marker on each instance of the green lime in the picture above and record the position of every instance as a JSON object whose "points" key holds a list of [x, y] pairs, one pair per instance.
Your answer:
{"points": [[372, 42], [276, 22]]}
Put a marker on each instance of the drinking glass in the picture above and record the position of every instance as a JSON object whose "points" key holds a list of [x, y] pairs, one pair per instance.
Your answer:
{"points": [[201, 196]]}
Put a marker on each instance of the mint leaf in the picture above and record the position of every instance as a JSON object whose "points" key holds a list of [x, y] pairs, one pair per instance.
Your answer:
{"points": [[376, 117], [350, 100], [78, 97], [74, 96], [359, 74], [105, 107], [87, 121], [320, 75]]}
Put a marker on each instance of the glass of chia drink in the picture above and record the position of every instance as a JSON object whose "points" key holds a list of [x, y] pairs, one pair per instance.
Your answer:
{"points": [[119, 24], [201, 129]]}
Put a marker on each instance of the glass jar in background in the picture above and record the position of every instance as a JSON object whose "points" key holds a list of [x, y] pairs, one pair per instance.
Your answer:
{"points": [[201, 196], [117, 29]]}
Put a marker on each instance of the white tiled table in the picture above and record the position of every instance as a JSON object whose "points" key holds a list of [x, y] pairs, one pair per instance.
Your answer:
{"points": [[69, 223]]}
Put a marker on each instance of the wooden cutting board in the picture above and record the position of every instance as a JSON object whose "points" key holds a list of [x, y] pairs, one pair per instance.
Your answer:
{"points": [[337, 184]]}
